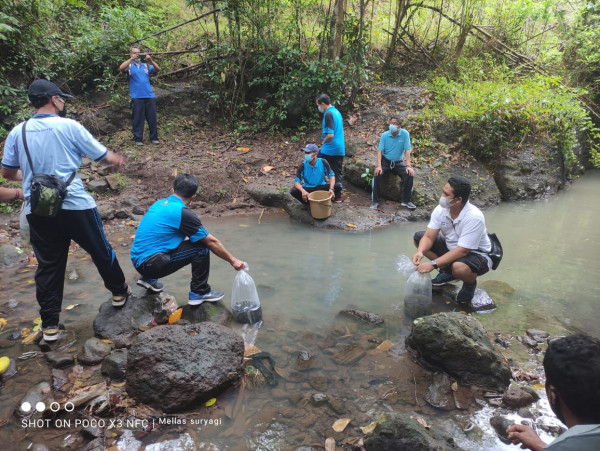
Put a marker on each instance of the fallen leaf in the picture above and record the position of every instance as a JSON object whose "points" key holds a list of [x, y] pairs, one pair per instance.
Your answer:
{"points": [[268, 168], [280, 372], [385, 345], [423, 423], [243, 149], [106, 340], [330, 444], [38, 320], [210, 402], [250, 349], [118, 384], [448, 302], [245, 179], [175, 316], [3, 323], [33, 261], [538, 386], [340, 425], [71, 306], [454, 386], [149, 157], [352, 226], [175, 172], [368, 428], [26, 331]]}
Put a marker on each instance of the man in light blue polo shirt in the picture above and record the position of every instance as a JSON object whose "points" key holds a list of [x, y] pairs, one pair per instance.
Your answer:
{"points": [[143, 101], [311, 174], [333, 147], [393, 155], [171, 236], [56, 146]]}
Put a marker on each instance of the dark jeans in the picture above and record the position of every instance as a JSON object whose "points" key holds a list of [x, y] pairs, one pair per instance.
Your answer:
{"points": [[143, 109], [477, 262], [336, 162], [164, 263], [398, 168], [50, 240], [337, 189]]}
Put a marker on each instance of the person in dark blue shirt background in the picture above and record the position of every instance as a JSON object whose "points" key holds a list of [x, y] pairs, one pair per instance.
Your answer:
{"points": [[311, 174], [171, 236], [143, 101]]}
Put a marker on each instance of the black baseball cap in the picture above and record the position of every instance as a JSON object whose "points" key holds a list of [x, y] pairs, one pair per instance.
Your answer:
{"points": [[42, 87]]}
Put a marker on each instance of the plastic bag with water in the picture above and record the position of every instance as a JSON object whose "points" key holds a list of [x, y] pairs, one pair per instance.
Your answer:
{"points": [[245, 304], [417, 291], [24, 227]]}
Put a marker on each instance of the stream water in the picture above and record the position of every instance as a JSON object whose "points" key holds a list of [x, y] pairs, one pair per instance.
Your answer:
{"points": [[305, 277]]}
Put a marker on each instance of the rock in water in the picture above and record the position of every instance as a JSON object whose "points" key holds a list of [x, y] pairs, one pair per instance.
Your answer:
{"points": [[458, 345], [367, 317], [176, 367]]}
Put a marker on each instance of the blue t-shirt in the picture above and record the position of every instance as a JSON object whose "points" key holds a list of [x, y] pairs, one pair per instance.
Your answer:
{"points": [[313, 175], [166, 224], [56, 146], [332, 123], [393, 147], [139, 81]]}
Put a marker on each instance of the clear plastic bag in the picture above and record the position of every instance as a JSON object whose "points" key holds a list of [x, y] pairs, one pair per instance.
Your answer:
{"points": [[24, 226], [417, 291], [244, 298]]}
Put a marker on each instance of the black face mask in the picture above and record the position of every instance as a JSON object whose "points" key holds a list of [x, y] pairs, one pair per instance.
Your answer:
{"points": [[63, 113]]}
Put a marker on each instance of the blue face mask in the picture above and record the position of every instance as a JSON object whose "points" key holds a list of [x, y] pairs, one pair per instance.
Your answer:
{"points": [[320, 109], [137, 60], [307, 157], [394, 128]]}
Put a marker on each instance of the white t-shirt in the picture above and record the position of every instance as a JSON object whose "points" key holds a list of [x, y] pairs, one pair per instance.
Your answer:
{"points": [[467, 230]]}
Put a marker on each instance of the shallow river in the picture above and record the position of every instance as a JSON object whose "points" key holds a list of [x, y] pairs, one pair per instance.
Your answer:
{"points": [[305, 277]]}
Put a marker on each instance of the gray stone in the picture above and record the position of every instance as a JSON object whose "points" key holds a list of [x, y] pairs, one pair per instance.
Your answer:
{"points": [[270, 196], [439, 394], [113, 182], [216, 312], [121, 324], [367, 317], [527, 341], [517, 397], [121, 214], [97, 186], [59, 378], [104, 170], [106, 211], [11, 256], [500, 425], [115, 365], [137, 210], [349, 354], [176, 367], [306, 361], [38, 393], [58, 359], [93, 351], [458, 345], [538, 335], [402, 432], [318, 399], [10, 371]]}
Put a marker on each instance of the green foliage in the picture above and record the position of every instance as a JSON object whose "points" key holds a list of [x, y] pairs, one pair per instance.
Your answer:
{"points": [[367, 176], [491, 116]]}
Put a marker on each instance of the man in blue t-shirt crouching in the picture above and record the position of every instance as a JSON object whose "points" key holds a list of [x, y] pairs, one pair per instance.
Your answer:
{"points": [[170, 237], [311, 174]]}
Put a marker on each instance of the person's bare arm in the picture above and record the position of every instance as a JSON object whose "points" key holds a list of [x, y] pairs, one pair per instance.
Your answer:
{"points": [[114, 159], [149, 59], [526, 437], [220, 251], [11, 193]]}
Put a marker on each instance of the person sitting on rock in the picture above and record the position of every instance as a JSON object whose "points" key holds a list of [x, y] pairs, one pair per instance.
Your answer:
{"points": [[171, 236], [456, 240], [393, 155], [311, 175], [572, 366]]}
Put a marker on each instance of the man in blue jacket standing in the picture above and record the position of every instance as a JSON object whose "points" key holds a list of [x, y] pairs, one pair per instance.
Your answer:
{"points": [[333, 148], [143, 101]]}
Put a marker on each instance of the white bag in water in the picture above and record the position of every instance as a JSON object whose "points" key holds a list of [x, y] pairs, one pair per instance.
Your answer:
{"points": [[417, 292], [244, 298]]}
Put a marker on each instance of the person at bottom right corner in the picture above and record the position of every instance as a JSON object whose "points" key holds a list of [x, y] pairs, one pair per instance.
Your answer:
{"points": [[456, 241], [572, 367]]}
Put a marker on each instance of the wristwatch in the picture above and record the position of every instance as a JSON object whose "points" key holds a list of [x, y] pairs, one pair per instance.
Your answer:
{"points": [[434, 263]]}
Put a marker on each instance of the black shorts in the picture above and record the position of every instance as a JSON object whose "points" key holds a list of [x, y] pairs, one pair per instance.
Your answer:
{"points": [[477, 262]]}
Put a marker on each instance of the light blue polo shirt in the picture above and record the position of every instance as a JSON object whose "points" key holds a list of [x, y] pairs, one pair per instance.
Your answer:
{"points": [[139, 81], [332, 123], [393, 147], [56, 146], [313, 175]]}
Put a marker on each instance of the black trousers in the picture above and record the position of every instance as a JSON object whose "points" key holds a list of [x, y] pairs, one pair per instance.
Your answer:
{"points": [[164, 263], [143, 109], [337, 166], [398, 168], [337, 189], [50, 240]]}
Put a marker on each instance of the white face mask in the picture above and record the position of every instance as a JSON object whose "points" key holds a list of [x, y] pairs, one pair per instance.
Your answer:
{"points": [[393, 128], [445, 202]]}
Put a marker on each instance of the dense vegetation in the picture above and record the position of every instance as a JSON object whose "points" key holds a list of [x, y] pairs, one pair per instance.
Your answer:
{"points": [[501, 70]]}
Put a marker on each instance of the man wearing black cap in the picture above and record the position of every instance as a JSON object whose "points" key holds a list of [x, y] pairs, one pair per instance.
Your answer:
{"points": [[56, 146], [311, 174]]}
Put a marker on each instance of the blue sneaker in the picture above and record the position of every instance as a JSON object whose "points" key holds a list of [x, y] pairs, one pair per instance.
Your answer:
{"points": [[442, 279], [150, 284], [212, 296]]}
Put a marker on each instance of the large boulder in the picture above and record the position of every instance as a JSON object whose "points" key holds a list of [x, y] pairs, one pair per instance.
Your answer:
{"points": [[402, 432], [458, 345], [176, 367], [11, 256]]}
